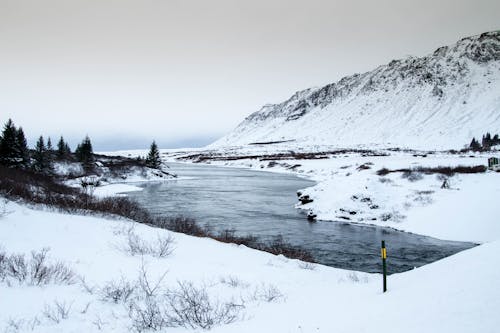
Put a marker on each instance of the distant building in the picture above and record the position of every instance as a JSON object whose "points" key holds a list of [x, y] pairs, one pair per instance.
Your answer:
{"points": [[493, 164]]}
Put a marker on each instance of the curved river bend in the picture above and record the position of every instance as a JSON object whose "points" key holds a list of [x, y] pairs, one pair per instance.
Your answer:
{"points": [[262, 204]]}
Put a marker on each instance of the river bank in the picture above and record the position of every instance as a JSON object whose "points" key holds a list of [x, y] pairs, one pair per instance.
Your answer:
{"points": [[271, 293], [350, 189]]}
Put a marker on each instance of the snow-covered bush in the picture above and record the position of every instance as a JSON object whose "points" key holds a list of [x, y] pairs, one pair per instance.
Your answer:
{"points": [[35, 271], [118, 292], [162, 247], [153, 308], [191, 306], [267, 293], [412, 176], [58, 312], [233, 281]]}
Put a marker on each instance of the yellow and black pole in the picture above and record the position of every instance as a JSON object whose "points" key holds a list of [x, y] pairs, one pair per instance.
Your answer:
{"points": [[383, 252]]}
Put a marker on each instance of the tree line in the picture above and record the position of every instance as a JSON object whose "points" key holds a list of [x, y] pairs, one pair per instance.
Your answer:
{"points": [[14, 151], [486, 143]]}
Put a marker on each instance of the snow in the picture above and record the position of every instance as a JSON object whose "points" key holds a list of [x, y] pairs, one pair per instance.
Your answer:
{"points": [[115, 189], [456, 294]]}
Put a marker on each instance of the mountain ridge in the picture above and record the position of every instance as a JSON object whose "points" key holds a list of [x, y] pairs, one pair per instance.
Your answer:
{"points": [[440, 100]]}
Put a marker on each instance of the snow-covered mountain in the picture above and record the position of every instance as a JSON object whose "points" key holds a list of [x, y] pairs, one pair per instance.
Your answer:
{"points": [[441, 101]]}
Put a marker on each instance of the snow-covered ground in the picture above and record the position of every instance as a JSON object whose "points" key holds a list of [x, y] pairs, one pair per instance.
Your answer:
{"points": [[106, 182], [273, 294]]}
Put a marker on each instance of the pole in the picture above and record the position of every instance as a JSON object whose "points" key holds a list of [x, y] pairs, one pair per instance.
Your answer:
{"points": [[384, 265]]}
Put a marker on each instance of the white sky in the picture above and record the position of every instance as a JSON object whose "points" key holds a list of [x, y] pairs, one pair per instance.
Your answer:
{"points": [[185, 72]]}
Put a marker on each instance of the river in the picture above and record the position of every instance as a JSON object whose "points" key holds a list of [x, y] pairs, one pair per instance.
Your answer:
{"points": [[262, 204]]}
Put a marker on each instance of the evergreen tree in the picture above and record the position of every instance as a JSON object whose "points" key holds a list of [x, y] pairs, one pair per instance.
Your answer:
{"points": [[49, 145], [9, 153], [22, 148], [153, 159], [474, 145], [63, 150], [41, 157], [495, 140], [84, 151], [50, 152], [67, 148]]}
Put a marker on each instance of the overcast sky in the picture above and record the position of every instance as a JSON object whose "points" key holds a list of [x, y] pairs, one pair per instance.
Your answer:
{"points": [[186, 72]]}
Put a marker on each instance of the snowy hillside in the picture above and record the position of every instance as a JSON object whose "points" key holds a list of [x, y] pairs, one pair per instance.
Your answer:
{"points": [[109, 288], [438, 101]]}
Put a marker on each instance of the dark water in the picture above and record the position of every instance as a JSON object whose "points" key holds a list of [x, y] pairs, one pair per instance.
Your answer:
{"points": [[262, 204]]}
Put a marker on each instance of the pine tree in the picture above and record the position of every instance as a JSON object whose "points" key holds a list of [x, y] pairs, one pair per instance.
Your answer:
{"points": [[9, 154], [495, 140], [41, 157], [49, 145], [22, 148], [474, 145], [84, 151], [63, 150], [67, 148], [153, 159]]}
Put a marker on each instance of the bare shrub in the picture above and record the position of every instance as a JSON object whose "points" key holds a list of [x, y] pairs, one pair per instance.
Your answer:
{"points": [[136, 245], [233, 281], [191, 307], [184, 306], [16, 267], [14, 325], [161, 248], [21, 325], [86, 287], [307, 265], [278, 246], [59, 311], [383, 172], [444, 170], [35, 271], [148, 315], [117, 292], [42, 273], [354, 277], [148, 288], [99, 323], [229, 236], [183, 225], [394, 216], [412, 176], [268, 293], [384, 180]]}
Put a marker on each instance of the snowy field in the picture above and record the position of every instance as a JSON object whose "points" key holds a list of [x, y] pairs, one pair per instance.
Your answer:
{"points": [[242, 290], [267, 293]]}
